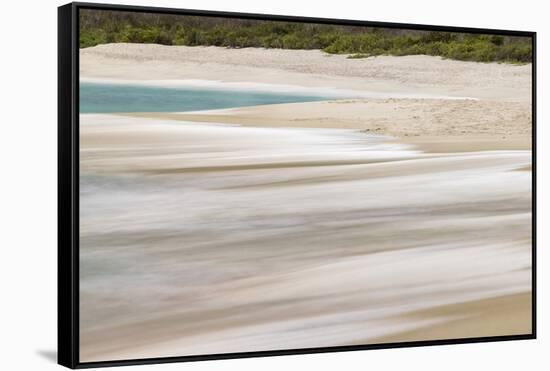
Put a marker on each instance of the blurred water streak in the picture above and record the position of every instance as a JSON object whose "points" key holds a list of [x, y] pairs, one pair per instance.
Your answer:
{"points": [[231, 239]]}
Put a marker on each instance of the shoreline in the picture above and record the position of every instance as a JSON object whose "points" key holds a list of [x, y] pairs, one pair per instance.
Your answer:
{"points": [[428, 144], [431, 125], [432, 103]]}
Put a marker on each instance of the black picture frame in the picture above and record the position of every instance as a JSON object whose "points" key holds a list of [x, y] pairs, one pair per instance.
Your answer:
{"points": [[68, 185]]}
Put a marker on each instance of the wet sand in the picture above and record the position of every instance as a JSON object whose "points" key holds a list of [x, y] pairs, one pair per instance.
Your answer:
{"points": [[480, 318]]}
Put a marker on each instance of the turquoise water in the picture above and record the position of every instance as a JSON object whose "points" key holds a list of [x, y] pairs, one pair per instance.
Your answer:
{"points": [[109, 98]]}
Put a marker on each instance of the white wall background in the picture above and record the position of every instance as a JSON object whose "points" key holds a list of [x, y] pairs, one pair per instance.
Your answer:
{"points": [[28, 153]]}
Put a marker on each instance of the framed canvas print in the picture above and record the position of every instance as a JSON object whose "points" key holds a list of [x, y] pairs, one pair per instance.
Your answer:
{"points": [[238, 185]]}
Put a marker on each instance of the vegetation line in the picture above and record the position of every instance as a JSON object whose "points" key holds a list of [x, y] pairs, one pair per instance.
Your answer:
{"points": [[102, 26]]}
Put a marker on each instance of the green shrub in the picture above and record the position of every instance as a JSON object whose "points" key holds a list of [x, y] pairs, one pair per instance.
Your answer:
{"points": [[100, 27]]}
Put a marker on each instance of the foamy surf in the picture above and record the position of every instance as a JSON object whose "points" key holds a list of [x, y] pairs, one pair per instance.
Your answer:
{"points": [[275, 238]]}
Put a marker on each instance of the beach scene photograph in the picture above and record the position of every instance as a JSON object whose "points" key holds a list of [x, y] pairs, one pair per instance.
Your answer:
{"points": [[252, 185]]}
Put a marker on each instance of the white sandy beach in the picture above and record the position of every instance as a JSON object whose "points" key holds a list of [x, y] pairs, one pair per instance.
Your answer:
{"points": [[498, 113], [308, 68], [341, 222]]}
